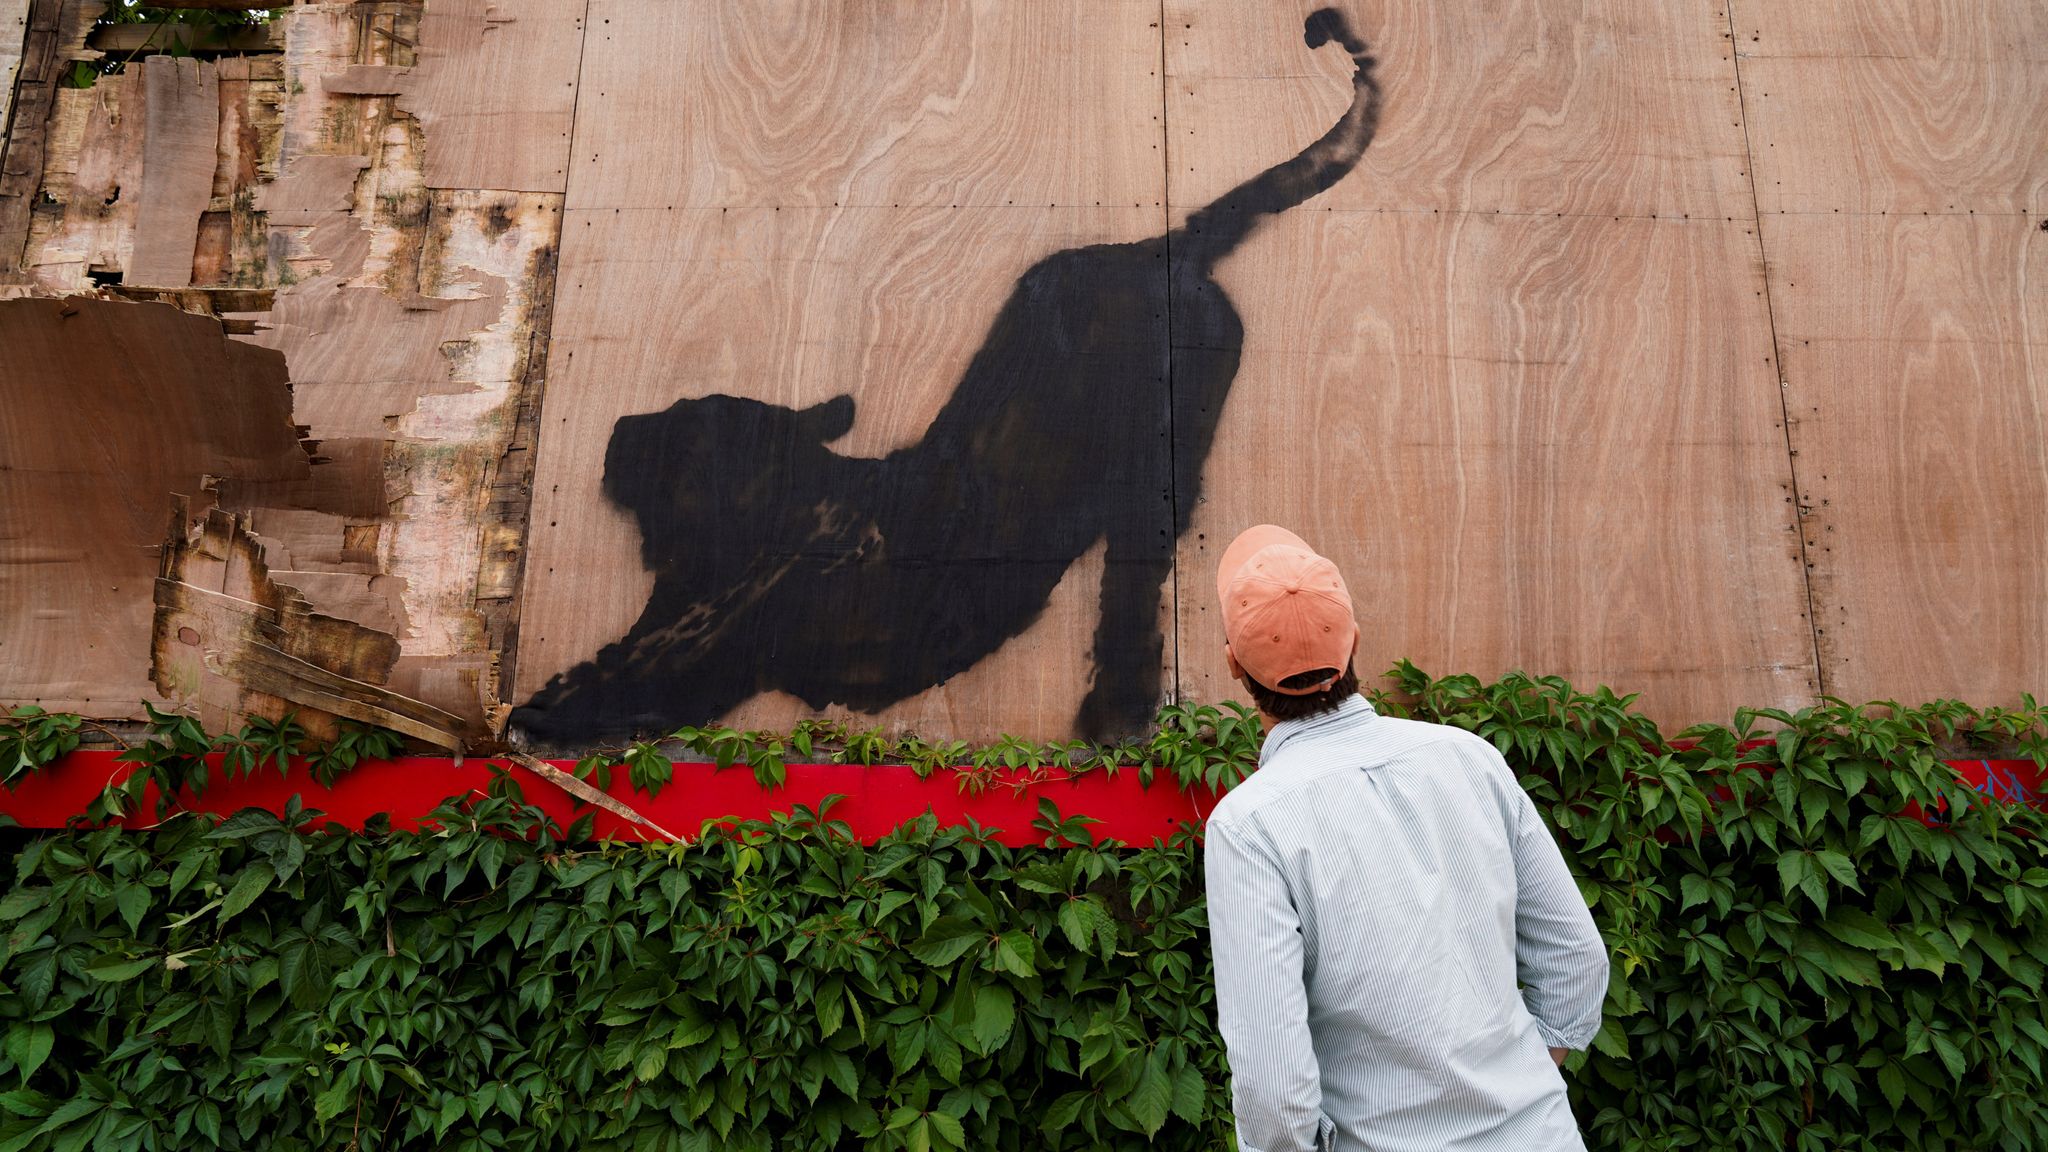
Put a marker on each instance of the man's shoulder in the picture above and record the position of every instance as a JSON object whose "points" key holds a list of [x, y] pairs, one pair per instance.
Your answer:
{"points": [[1298, 765]]}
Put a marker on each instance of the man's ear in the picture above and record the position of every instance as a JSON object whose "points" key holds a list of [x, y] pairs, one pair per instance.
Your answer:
{"points": [[1230, 659], [827, 421]]}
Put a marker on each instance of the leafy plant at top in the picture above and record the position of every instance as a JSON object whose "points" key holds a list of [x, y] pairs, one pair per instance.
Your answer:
{"points": [[31, 738]]}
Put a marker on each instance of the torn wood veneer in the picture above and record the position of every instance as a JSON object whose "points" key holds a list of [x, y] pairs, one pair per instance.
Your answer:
{"points": [[232, 642], [106, 409]]}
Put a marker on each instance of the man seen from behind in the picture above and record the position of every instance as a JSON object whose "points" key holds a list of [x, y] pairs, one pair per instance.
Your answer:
{"points": [[1402, 957]]}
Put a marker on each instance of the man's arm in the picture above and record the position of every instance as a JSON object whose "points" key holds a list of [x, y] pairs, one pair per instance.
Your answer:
{"points": [[1559, 956], [1261, 1003]]}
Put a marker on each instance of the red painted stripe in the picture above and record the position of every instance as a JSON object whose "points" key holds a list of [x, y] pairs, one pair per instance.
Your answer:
{"points": [[877, 799]]}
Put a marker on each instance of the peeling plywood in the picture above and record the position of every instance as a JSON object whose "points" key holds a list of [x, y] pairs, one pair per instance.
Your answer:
{"points": [[13, 36], [155, 402], [175, 173], [55, 36], [409, 318], [181, 127], [231, 642], [494, 88]]}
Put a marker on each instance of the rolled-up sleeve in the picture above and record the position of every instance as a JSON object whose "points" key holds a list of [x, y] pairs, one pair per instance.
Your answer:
{"points": [[1559, 956], [1261, 1002]]}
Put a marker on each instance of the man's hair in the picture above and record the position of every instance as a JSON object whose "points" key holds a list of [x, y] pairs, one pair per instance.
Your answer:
{"points": [[1281, 706]]}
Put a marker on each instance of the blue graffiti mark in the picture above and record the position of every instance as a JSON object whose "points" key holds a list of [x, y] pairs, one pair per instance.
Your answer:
{"points": [[2006, 785]]}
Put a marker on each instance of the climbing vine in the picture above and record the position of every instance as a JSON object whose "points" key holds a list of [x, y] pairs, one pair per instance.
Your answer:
{"points": [[1823, 940]]}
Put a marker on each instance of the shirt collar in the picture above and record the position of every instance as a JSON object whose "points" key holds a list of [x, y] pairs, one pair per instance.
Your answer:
{"points": [[1352, 711]]}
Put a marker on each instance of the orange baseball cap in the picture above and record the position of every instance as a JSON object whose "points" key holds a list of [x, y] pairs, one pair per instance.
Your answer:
{"points": [[1285, 609]]}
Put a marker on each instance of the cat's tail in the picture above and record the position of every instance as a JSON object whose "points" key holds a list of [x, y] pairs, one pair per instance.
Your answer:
{"points": [[1212, 232]]}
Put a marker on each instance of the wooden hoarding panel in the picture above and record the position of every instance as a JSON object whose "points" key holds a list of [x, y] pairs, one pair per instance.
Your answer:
{"points": [[950, 216], [1514, 371], [1903, 106], [1539, 443], [755, 103], [1916, 355], [1604, 107]]}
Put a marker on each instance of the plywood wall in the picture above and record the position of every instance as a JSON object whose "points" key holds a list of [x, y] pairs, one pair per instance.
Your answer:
{"points": [[742, 360]]}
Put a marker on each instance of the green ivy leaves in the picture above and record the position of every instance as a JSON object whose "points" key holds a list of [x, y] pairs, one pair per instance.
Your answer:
{"points": [[1802, 961]]}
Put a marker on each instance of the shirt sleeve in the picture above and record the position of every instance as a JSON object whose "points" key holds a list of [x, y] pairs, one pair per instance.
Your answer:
{"points": [[1261, 1002], [1559, 956]]}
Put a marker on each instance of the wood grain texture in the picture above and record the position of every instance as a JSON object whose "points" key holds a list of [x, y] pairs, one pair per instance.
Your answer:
{"points": [[793, 307], [156, 402], [1529, 442], [180, 139], [13, 37], [1900, 106], [745, 103], [1601, 107], [494, 89], [1916, 355]]}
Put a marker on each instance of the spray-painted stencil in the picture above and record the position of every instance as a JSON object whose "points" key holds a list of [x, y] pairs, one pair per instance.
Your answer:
{"points": [[1085, 416]]}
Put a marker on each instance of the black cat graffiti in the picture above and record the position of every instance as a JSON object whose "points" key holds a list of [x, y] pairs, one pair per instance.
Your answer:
{"points": [[1085, 416]]}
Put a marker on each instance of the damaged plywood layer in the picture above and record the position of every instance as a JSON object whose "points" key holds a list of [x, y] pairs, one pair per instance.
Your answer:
{"points": [[308, 217], [413, 322], [494, 88], [172, 174], [155, 402], [180, 128], [13, 36], [32, 95], [231, 642]]}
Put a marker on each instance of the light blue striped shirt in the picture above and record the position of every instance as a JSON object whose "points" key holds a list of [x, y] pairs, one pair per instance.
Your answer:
{"points": [[1378, 889]]}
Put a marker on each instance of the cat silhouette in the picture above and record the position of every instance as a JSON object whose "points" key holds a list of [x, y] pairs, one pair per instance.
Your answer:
{"points": [[1085, 416]]}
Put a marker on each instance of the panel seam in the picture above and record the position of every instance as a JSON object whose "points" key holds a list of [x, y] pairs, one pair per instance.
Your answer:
{"points": [[1173, 692], [1820, 673]]}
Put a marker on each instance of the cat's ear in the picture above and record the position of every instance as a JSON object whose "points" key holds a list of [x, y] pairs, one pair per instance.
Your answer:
{"points": [[827, 421]]}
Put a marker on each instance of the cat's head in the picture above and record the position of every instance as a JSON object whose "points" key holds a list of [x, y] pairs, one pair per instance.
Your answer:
{"points": [[717, 467]]}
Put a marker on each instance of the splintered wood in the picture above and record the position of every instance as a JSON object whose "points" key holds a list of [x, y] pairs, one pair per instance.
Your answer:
{"points": [[155, 404], [232, 643], [406, 277]]}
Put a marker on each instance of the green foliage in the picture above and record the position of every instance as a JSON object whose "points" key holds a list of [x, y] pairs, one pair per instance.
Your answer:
{"points": [[776, 985], [1797, 964], [1195, 744], [31, 738], [176, 758], [84, 74], [1800, 961]]}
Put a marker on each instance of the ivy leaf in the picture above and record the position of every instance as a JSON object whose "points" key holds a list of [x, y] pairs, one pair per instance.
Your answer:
{"points": [[114, 967], [947, 1129], [132, 899], [249, 884], [26, 1101], [1859, 929], [995, 1014], [1013, 954], [947, 940], [520, 883], [1152, 1097], [1839, 867], [1693, 887], [1190, 1095], [1892, 1083], [1064, 1111], [329, 1103], [28, 1045]]}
